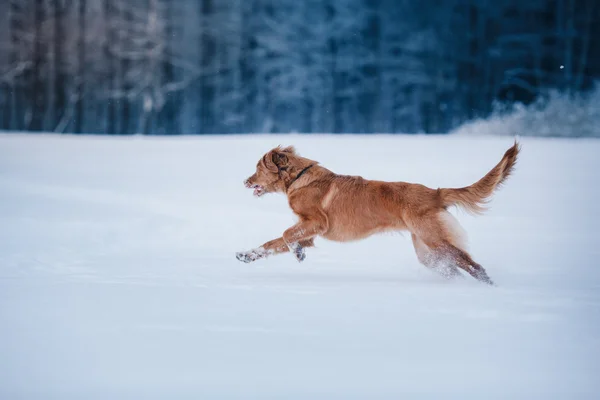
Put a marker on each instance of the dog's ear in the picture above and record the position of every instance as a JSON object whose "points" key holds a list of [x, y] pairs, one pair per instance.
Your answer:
{"points": [[280, 159], [269, 160]]}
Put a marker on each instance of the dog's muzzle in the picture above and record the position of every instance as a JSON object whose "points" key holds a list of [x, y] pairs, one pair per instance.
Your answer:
{"points": [[258, 189]]}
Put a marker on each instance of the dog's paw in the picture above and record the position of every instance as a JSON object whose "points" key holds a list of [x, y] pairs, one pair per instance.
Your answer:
{"points": [[252, 255], [479, 273], [244, 257], [486, 279], [300, 256], [297, 251]]}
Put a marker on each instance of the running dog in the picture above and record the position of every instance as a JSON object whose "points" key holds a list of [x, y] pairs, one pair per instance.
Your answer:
{"points": [[346, 208]]}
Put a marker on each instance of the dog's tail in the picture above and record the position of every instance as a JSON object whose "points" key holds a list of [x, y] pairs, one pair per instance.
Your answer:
{"points": [[473, 198]]}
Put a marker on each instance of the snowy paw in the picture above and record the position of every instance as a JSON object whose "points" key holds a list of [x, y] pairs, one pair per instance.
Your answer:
{"points": [[244, 257], [297, 251], [482, 276], [486, 279], [249, 256]]}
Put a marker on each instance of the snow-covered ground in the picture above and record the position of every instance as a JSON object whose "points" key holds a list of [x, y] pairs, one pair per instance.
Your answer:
{"points": [[118, 276]]}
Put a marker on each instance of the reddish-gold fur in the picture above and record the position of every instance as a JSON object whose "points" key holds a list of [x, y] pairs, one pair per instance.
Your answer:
{"points": [[345, 208]]}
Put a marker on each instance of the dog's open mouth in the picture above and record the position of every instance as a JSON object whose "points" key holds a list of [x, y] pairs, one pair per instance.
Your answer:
{"points": [[258, 190]]}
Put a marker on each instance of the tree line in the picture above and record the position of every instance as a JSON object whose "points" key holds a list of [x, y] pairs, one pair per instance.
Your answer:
{"points": [[243, 66]]}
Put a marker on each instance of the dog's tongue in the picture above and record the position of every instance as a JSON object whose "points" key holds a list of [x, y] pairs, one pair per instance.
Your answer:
{"points": [[258, 190]]}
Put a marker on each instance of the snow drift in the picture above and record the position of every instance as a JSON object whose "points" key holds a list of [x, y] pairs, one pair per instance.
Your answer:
{"points": [[554, 114]]}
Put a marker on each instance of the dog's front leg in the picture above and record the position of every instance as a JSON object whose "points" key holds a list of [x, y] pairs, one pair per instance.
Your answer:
{"points": [[276, 246], [272, 247], [297, 235]]}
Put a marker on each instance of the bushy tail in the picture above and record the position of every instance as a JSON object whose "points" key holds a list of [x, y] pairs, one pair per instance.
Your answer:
{"points": [[473, 198]]}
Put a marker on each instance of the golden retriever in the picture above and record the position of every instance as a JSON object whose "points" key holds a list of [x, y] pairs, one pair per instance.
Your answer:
{"points": [[346, 208]]}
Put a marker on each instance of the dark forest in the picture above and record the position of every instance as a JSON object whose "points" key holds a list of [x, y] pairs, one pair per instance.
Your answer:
{"points": [[242, 66]]}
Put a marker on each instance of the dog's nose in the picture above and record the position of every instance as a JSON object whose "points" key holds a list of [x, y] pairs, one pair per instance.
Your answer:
{"points": [[247, 183]]}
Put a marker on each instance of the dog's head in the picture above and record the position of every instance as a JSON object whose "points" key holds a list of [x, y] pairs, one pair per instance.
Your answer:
{"points": [[274, 170]]}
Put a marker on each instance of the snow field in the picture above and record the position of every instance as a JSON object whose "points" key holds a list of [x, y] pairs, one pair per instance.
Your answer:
{"points": [[118, 276]]}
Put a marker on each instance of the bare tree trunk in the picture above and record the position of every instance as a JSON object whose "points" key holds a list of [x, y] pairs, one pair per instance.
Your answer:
{"points": [[207, 91], [126, 15], [80, 76], [373, 69], [168, 110], [110, 73], [10, 85], [81, 55], [332, 48], [585, 44], [569, 33], [5, 66], [38, 87], [16, 26], [60, 76], [152, 98], [246, 66], [147, 108], [5, 106]]}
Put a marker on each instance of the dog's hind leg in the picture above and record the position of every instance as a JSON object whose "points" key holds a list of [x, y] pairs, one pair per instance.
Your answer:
{"points": [[273, 247], [442, 238], [464, 261], [431, 260]]}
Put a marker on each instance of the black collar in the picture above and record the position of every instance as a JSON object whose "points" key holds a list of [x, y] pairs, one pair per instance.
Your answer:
{"points": [[300, 174]]}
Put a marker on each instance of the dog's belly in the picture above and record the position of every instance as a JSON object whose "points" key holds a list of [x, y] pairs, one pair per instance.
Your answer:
{"points": [[342, 235], [348, 228]]}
